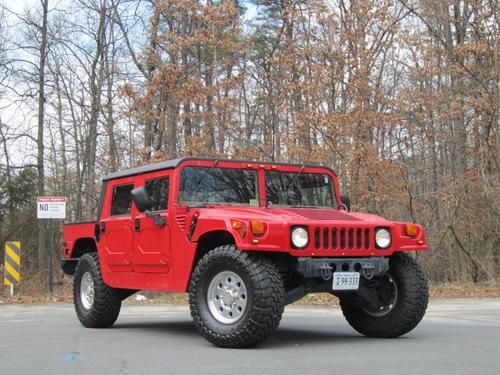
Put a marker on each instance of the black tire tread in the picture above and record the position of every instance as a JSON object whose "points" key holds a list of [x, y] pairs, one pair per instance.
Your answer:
{"points": [[413, 297], [268, 296], [107, 300]]}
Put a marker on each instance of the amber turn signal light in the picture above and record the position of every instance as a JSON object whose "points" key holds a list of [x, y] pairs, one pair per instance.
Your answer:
{"points": [[258, 227], [239, 227], [411, 230]]}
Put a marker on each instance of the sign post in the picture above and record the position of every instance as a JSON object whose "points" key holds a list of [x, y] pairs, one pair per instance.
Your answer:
{"points": [[51, 208]]}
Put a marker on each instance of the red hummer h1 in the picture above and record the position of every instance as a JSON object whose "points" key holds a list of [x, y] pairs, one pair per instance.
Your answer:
{"points": [[244, 239]]}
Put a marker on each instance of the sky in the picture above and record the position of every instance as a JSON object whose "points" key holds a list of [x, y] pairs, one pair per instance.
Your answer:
{"points": [[19, 5]]}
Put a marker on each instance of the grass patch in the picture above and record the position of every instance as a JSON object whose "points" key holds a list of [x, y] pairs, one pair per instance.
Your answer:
{"points": [[465, 290]]}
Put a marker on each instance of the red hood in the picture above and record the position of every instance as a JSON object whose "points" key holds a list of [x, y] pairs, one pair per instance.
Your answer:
{"points": [[302, 215]]}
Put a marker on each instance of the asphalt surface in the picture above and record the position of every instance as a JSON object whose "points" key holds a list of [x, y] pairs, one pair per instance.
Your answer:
{"points": [[455, 337]]}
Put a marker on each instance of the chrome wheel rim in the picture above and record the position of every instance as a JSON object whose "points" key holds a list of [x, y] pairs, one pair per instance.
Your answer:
{"points": [[386, 309], [227, 297], [87, 291]]}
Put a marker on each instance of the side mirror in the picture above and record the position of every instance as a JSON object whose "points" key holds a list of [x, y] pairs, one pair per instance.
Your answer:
{"points": [[346, 202], [141, 199]]}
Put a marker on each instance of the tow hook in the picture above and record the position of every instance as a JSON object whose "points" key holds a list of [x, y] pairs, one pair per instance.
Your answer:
{"points": [[368, 272], [326, 271]]}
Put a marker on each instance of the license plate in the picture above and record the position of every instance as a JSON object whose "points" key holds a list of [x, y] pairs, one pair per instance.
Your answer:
{"points": [[345, 281]]}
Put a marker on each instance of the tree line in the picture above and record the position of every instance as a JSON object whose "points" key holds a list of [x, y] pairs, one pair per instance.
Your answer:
{"points": [[401, 98]]}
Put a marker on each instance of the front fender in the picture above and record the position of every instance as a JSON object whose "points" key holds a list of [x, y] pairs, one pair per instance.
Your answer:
{"points": [[204, 226]]}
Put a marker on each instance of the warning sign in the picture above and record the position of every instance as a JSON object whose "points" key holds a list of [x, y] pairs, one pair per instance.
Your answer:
{"points": [[12, 263], [51, 207]]}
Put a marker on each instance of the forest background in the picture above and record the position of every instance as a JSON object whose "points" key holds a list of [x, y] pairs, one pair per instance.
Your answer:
{"points": [[399, 97]]}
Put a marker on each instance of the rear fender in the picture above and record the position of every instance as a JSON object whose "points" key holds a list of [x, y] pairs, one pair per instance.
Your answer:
{"points": [[72, 255], [83, 246]]}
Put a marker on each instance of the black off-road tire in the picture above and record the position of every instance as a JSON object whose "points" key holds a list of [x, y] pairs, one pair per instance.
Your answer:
{"points": [[409, 307], [265, 301], [107, 301]]}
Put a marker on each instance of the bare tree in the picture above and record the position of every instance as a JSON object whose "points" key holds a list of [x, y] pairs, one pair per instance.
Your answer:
{"points": [[41, 126]]}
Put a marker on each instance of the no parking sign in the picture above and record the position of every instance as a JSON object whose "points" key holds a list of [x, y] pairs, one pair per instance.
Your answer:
{"points": [[51, 207]]}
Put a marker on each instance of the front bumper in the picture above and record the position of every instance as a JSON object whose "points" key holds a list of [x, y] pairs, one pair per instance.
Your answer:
{"points": [[325, 267]]}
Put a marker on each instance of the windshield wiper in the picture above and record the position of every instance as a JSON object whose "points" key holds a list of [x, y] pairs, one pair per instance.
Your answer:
{"points": [[203, 178], [295, 179]]}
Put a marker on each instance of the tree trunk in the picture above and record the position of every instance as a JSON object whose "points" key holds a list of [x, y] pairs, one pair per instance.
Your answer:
{"points": [[151, 66], [40, 133], [110, 120], [96, 78]]}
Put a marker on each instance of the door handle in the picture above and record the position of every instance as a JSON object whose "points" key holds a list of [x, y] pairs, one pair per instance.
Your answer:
{"points": [[137, 225]]}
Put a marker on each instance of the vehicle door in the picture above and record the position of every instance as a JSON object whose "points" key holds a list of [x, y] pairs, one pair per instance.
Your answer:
{"points": [[116, 226], [152, 229]]}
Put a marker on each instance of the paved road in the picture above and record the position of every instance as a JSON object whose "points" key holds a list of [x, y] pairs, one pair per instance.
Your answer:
{"points": [[455, 337]]}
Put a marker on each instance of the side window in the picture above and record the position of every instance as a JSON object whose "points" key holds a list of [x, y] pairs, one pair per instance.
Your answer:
{"points": [[158, 191], [121, 202]]}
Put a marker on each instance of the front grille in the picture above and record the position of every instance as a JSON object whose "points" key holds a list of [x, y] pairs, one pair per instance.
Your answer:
{"points": [[342, 238]]}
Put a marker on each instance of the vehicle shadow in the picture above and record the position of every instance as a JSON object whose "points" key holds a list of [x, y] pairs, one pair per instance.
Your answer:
{"points": [[290, 337], [283, 337], [175, 327]]}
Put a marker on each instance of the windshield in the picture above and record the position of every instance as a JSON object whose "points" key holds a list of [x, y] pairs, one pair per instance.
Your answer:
{"points": [[298, 189], [205, 185]]}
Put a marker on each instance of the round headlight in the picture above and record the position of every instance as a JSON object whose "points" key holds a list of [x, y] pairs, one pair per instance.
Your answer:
{"points": [[382, 238], [300, 237]]}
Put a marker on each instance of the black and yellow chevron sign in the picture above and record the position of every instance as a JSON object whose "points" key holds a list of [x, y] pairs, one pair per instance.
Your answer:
{"points": [[12, 273]]}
